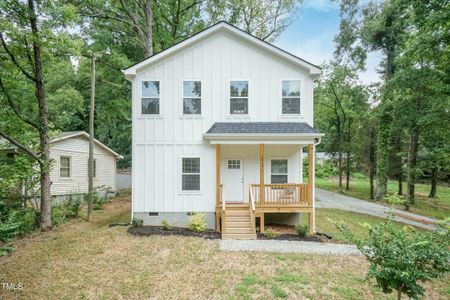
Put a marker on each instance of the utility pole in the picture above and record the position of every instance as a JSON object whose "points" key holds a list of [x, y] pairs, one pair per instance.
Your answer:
{"points": [[91, 140]]}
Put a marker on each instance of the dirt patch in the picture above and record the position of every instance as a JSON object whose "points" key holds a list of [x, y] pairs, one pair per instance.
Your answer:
{"points": [[292, 237], [159, 230], [420, 220]]}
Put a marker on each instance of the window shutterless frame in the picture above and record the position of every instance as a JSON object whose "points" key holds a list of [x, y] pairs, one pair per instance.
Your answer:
{"points": [[191, 104], [236, 100], [66, 167], [277, 172], [149, 100], [190, 174], [288, 102]]}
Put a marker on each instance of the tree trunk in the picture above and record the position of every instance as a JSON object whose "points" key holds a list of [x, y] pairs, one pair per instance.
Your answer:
{"points": [[399, 294], [347, 171], [46, 205], [412, 164], [382, 158], [400, 181], [372, 162], [340, 170], [434, 174], [149, 29]]}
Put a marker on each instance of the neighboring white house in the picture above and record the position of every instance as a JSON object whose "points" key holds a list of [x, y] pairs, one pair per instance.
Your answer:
{"points": [[69, 171], [220, 122]]}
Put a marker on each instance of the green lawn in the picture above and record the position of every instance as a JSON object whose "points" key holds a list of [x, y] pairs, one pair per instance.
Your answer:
{"points": [[438, 208], [327, 217], [80, 260]]}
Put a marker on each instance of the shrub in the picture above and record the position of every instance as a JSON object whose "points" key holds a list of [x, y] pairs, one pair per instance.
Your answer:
{"points": [[400, 259], [73, 206], [137, 222], [325, 170], [7, 249], [166, 225], [302, 230], [17, 222], [270, 233], [197, 222], [59, 215]]}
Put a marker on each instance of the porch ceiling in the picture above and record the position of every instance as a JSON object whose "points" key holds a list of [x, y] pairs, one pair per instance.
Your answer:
{"points": [[262, 133]]}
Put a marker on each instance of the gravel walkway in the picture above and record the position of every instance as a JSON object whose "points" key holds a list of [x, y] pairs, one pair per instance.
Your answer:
{"points": [[288, 247], [328, 199]]}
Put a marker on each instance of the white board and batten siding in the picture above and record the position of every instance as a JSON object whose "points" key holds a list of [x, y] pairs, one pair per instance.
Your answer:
{"points": [[77, 148], [161, 141]]}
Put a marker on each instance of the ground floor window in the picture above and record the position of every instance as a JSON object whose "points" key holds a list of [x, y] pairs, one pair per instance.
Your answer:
{"points": [[64, 167], [190, 174], [279, 171]]}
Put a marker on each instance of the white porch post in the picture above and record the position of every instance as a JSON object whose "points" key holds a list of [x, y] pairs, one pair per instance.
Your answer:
{"points": [[311, 182]]}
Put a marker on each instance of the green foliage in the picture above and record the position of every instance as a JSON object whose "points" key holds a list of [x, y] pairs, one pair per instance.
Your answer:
{"points": [[16, 221], [401, 259], [73, 205], [302, 230], [137, 222], [166, 225], [97, 201], [270, 233], [197, 222], [325, 170], [7, 249]]}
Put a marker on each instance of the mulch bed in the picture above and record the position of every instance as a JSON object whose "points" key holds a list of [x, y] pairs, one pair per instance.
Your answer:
{"points": [[293, 237], [159, 230]]}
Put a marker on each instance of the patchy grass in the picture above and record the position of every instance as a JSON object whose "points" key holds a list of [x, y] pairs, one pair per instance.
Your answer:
{"points": [[438, 208], [326, 218], [92, 261]]}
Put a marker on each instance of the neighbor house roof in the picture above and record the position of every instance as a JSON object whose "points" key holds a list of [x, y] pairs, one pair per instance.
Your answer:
{"points": [[315, 70], [5, 145], [261, 128]]}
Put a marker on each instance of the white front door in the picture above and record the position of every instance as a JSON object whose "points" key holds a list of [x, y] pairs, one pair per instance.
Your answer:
{"points": [[233, 180]]}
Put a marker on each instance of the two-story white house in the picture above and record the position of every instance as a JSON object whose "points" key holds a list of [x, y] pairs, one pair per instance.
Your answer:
{"points": [[220, 123]]}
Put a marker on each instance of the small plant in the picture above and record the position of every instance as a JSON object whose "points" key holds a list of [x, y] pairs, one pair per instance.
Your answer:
{"points": [[73, 206], [7, 249], [98, 201], [197, 222], [166, 225], [270, 233], [302, 230], [401, 259], [137, 222]]}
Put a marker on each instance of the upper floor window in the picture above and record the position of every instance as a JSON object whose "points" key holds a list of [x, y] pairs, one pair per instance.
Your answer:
{"points": [[291, 97], [238, 97], [150, 98], [192, 97], [279, 171], [190, 175], [64, 167]]}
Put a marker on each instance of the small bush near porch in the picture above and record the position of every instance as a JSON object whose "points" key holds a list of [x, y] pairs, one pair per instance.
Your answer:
{"points": [[93, 261]]}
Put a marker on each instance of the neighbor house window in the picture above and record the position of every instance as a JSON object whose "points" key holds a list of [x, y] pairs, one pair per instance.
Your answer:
{"points": [[291, 97], [191, 174], [95, 167], [279, 171], [192, 97], [64, 167], [150, 98], [238, 97]]}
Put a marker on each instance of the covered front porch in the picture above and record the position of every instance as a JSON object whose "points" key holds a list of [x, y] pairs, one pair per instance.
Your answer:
{"points": [[262, 174]]}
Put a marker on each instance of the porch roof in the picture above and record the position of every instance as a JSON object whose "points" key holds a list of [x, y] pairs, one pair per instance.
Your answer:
{"points": [[262, 132]]}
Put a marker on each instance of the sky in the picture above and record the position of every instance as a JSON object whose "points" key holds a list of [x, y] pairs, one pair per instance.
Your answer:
{"points": [[311, 36]]}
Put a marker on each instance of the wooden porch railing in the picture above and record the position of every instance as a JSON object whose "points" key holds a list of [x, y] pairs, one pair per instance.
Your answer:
{"points": [[282, 195]]}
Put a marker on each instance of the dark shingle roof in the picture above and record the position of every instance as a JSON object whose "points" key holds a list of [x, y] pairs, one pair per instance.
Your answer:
{"points": [[261, 128]]}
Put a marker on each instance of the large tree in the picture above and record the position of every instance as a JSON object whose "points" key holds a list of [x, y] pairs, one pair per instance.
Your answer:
{"points": [[31, 38]]}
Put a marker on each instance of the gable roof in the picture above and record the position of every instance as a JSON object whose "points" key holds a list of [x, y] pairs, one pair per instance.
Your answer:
{"points": [[72, 134], [131, 71], [261, 128]]}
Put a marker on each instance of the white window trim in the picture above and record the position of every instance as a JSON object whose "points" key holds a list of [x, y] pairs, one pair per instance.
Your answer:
{"points": [[180, 176], [287, 116], [191, 116], [150, 116], [70, 167], [238, 116], [270, 169]]}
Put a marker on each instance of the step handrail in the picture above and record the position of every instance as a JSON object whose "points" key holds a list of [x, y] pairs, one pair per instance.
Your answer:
{"points": [[252, 208]]}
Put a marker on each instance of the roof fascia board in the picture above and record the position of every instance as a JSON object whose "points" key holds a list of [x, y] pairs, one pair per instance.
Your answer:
{"points": [[84, 134], [130, 73]]}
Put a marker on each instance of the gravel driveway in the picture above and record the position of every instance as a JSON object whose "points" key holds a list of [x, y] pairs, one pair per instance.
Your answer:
{"points": [[288, 247], [328, 199]]}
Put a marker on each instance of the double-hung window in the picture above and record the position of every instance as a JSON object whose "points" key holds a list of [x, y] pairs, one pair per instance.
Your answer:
{"points": [[238, 97], [150, 98], [64, 167], [192, 97], [291, 97], [279, 171], [190, 175]]}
